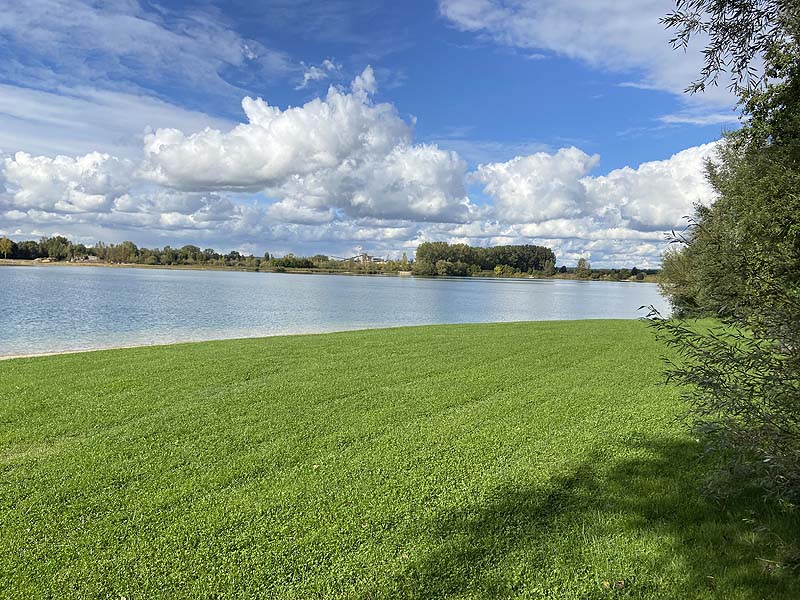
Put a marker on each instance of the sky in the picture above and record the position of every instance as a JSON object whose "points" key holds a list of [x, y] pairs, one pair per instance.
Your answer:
{"points": [[338, 127]]}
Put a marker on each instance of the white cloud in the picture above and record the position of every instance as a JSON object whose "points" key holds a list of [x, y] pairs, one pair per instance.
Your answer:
{"points": [[410, 182], [617, 35], [274, 144], [538, 187], [657, 194], [344, 152], [365, 84], [289, 210], [339, 172], [63, 184], [551, 188], [313, 73], [700, 119]]}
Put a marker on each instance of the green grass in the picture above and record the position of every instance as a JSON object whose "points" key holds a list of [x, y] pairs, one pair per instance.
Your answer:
{"points": [[534, 460]]}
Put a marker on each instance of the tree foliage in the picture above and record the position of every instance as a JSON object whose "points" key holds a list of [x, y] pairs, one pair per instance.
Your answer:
{"points": [[739, 34], [520, 259], [584, 269], [740, 263], [6, 246]]}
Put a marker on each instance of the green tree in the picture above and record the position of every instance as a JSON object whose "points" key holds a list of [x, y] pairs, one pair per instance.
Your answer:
{"points": [[6, 246], [423, 268], [740, 259], [190, 254], [125, 252], [56, 247], [443, 267], [584, 269]]}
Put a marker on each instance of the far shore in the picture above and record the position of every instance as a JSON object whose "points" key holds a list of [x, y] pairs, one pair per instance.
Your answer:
{"points": [[12, 262]]}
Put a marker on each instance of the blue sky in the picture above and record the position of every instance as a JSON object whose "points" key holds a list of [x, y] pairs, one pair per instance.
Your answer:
{"points": [[475, 121]]}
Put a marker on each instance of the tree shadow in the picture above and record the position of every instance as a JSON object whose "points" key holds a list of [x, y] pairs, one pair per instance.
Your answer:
{"points": [[630, 527]]}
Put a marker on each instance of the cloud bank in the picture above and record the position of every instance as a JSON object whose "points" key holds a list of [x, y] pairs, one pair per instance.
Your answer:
{"points": [[343, 171]]}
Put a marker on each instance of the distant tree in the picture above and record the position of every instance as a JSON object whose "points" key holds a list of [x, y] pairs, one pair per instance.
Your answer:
{"points": [[443, 267], [563, 269], [505, 271], [190, 254], [56, 247], [549, 267], [584, 269], [169, 256], [126, 252], [28, 249], [526, 258], [423, 267], [6, 246], [149, 256]]}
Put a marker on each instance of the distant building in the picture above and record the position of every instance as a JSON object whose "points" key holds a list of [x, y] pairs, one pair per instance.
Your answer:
{"points": [[90, 258], [367, 258]]}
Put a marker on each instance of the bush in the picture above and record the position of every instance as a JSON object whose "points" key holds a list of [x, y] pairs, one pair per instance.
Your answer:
{"points": [[740, 263]]}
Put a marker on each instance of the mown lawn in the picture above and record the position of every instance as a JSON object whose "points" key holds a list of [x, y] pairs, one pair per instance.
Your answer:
{"points": [[535, 460]]}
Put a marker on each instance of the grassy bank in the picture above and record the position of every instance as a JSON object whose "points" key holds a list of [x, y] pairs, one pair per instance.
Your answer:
{"points": [[533, 460]]}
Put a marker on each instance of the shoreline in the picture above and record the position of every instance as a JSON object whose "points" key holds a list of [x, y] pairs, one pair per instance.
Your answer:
{"points": [[225, 339], [179, 342], [8, 357], [15, 262]]}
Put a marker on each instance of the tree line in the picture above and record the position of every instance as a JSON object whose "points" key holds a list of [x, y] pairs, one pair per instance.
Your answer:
{"points": [[432, 259], [460, 260], [60, 248]]}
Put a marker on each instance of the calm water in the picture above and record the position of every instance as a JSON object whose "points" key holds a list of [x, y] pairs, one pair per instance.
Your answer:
{"points": [[52, 309]]}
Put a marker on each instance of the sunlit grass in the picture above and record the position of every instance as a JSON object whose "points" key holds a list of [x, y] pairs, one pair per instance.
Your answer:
{"points": [[538, 460]]}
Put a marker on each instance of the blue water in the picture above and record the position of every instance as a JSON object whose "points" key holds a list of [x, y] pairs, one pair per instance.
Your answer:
{"points": [[54, 309]]}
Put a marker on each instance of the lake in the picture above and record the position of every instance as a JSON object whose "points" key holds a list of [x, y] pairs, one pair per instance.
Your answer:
{"points": [[55, 309]]}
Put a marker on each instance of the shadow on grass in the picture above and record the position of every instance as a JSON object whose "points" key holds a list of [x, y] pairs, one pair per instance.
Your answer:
{"points": [[635, 527]]}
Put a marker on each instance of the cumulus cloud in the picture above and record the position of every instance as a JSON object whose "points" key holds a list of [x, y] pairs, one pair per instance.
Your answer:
{"points": [[657, 194], [410, 182], [290, 210], [546, 187], [344, 171], [276, 144], [621, 216], [64, 184], [342, 152], [538, 187]]}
